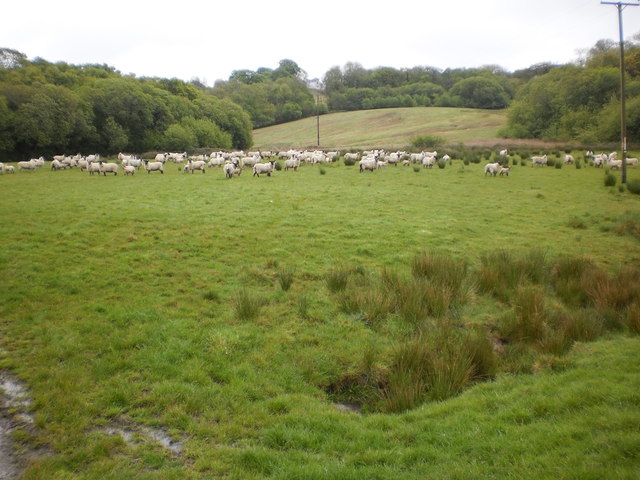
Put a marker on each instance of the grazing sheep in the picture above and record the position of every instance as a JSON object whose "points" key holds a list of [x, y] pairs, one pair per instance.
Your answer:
{"points": [[504, 171], [568, 159], [108, 168], [267, 168], [153, 166], [368, 163], [292, 163], [192, 166], [57, 165], [9, 169], [228, 169], [83, 164], [93, 167], [492, 168], [632, 161], [428, 161], [504, 153], [541, 161], [129, 170], [28, 165]]}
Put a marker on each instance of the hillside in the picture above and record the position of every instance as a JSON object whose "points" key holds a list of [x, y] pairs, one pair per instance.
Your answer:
{"points": [[389, 128]]}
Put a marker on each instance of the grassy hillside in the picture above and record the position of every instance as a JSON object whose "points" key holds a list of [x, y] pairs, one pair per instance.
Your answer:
{"points": [[388, 128], [209, 312]]}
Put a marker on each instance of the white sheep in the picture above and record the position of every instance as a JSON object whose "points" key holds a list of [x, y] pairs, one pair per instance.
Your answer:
{"points": [[28, 165], [504, 171], [492, 168], [292, 163], [541, 161], [428, 161], [108, 167], [368, 163], [267, 168], [129, 170], [57, 165], [9, 169], [93, 167], [153, 166], [632, 161], [568, 159], [192, 166]]}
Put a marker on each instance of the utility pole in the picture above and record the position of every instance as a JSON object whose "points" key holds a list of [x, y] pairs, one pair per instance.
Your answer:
{"points": [[623, 130]]}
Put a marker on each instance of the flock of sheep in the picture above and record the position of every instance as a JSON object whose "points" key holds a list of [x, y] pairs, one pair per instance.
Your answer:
{"points": [[233, 163]]}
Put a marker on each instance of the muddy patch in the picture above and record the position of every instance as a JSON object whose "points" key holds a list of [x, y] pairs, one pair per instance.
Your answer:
{"points": [[136, 434], [14, 414]]}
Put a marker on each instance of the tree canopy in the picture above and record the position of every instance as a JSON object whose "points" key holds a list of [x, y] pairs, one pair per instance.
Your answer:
{"points": [[48, 109]]}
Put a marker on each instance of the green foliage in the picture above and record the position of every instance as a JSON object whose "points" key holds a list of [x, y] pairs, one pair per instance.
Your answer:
{"points": [[426, 141], [480, 92], [634, 186], [285, 278], [610, 180], [54, 109]]}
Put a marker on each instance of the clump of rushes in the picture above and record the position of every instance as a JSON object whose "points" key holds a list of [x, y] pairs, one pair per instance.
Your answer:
{"points": [[246, 305], [285, 278], [337, 279]]}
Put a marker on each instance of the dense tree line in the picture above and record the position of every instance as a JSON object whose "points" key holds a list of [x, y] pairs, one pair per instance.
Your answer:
{"points": [[355, 88], [48, 109], [580, 102], [270, 96]]}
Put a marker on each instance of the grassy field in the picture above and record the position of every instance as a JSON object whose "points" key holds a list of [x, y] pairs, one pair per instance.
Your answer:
{"points": [[211, 312], [391, 128]]}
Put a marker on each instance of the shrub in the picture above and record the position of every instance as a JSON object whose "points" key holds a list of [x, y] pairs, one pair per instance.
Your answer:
{"points": [[551, 162], [277, 166], [416, 168], [578, 164], [428, 141], [466, 161], [610, 180], [442, 163], [559, 164], [634, 186], [322, 171], [523, 163], [349, 161]]}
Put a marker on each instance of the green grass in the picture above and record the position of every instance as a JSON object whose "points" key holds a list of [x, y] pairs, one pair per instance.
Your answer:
{"points": [[389, 128], [211, 309]]}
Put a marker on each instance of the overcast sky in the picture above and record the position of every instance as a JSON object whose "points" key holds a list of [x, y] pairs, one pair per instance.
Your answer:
{"points": [[208, 40]]}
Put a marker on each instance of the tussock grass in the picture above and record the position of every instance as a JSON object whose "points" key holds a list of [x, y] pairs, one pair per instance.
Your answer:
{"points": [[247, 304], [285, 276]]}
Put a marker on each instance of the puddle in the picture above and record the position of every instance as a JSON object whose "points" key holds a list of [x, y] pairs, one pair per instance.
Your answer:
{"points": [[14, 403], [348, 407], [134, 436]]}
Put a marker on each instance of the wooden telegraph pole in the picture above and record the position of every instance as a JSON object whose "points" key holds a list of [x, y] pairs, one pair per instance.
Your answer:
{"points": [[623, 130]]}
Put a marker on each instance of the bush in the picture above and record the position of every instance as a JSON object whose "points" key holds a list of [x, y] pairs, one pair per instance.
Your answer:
{"points": [[349, 162], [428, 141], [277, 166], [551, 162], [610, 180], [559, 164], [634, 186], [578, 164], [442, 163]]}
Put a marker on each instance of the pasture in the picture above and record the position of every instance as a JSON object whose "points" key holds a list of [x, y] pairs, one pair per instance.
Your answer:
{"points": [[185, 326], [390, 127]]}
